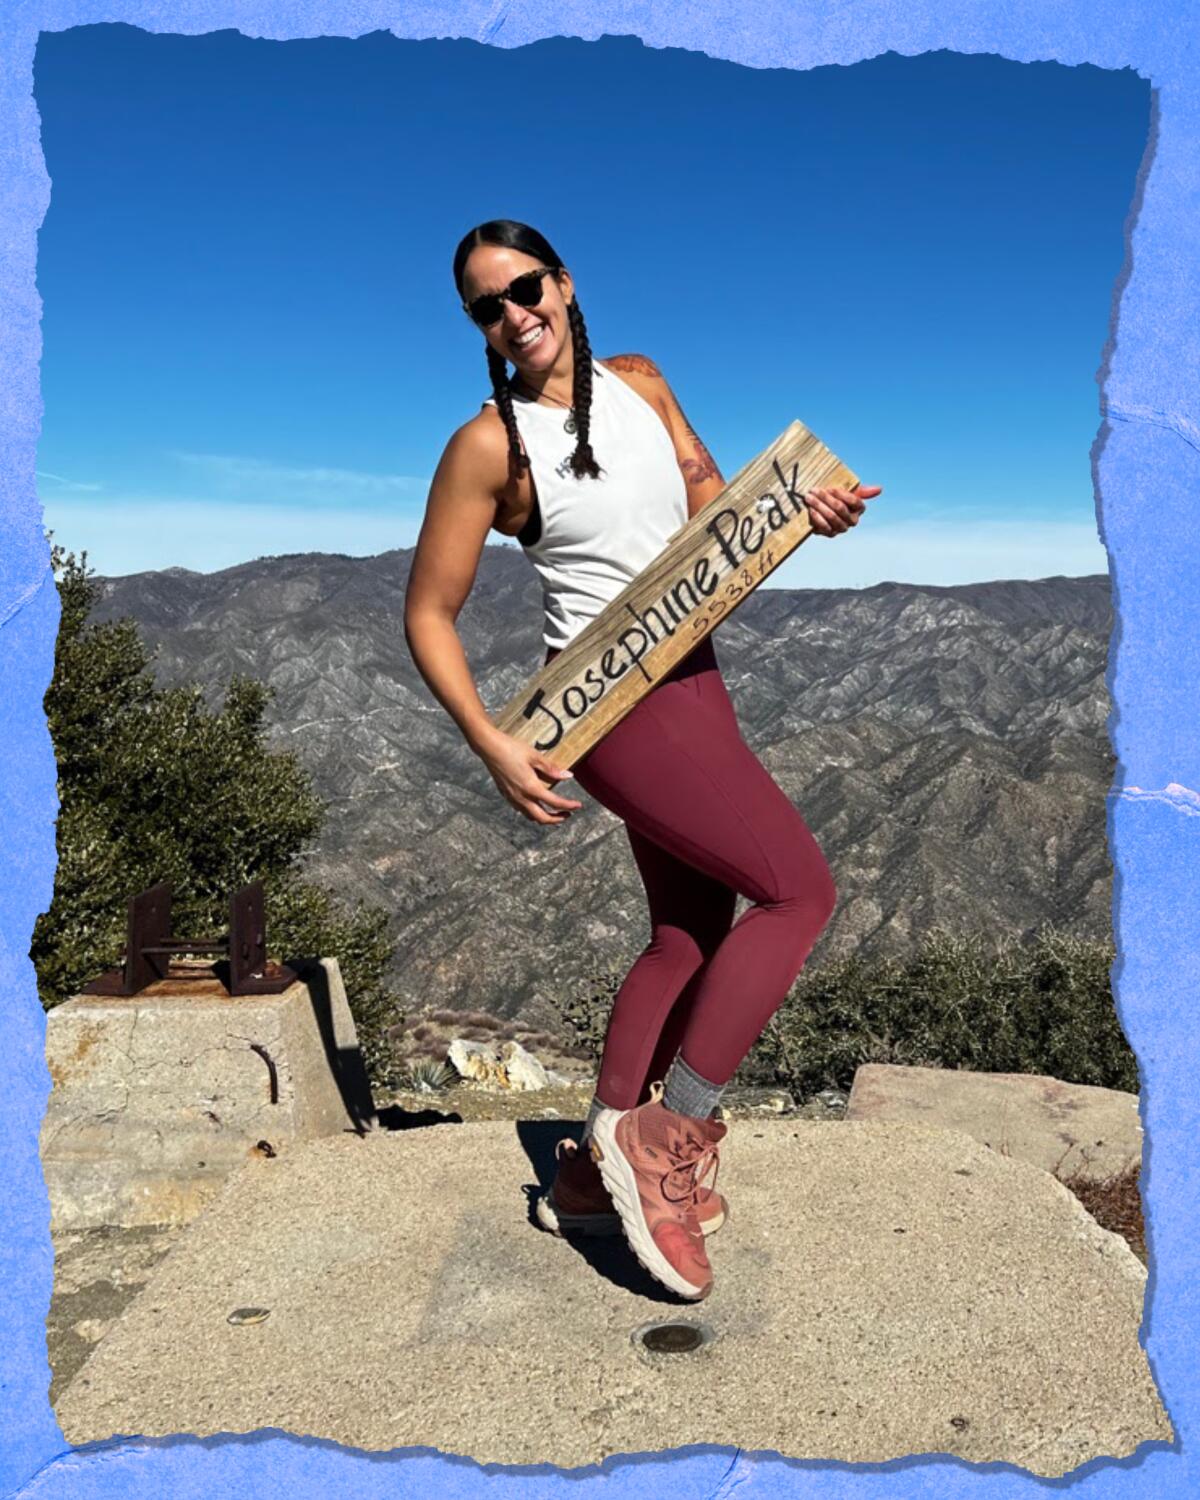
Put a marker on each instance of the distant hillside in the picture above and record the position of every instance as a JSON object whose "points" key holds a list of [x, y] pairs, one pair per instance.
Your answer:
{"points": [[947, 746]]}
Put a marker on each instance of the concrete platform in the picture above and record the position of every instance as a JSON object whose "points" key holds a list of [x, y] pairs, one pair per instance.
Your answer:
{"points": [[1072, 1129], [158, 1096], [881, 1290]]}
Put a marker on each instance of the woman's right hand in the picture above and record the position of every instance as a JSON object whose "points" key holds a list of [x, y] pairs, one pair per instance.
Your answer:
{"points": [[515, 768]]}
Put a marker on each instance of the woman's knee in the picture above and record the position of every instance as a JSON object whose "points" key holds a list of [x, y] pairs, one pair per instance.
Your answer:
{"points": [[807, 887], [826, 896], [700, 910], [685, 945]]}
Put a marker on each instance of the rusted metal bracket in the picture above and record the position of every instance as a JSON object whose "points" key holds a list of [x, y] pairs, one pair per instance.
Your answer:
{"points": [[240, 964]]}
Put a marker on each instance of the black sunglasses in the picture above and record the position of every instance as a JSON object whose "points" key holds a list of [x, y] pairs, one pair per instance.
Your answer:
{"points": [[525, 290]]}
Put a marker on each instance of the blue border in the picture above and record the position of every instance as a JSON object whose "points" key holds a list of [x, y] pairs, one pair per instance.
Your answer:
{"points": [[1146, 463]]}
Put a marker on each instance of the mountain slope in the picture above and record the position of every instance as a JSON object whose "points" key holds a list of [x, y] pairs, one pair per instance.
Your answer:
{"points": [[947, 746]]}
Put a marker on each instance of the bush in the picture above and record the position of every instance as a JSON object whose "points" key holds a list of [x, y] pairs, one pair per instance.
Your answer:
{"points": [[586, 1013], [480, 1020], [536, 1039], [1043, 1006], [153, 786]]}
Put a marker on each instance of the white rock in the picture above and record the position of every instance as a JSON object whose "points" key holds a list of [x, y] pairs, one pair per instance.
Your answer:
{"points": [[522, 1071], [504, 1066], [779, 1103], [478, 1061]]}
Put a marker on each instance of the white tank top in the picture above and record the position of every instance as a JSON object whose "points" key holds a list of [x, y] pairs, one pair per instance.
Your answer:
{"points": [[596, 535]]}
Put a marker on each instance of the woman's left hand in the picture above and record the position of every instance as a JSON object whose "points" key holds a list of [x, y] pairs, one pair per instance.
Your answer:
{"points": [[835, 510]]}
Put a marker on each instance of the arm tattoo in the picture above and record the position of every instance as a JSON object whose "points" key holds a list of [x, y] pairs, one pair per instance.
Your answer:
{"points": [[637, 363], [698, 466]]}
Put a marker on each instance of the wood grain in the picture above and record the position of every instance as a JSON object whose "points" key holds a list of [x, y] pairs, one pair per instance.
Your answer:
{"points": [[707, 569]]}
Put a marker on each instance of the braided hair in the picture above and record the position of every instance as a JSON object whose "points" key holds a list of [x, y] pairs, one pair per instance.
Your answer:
{"points": [[512, 235]]}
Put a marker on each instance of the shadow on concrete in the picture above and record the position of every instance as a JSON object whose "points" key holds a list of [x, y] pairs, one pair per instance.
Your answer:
{"points": [[394, 1117], [608, 1255], [346, 1064]]}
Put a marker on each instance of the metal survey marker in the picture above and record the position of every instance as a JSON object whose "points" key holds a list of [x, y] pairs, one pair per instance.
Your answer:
{"points": [[707, 569]]}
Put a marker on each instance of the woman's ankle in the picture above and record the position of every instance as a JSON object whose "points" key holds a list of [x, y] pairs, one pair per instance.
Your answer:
{"points": [[686, 1092]]}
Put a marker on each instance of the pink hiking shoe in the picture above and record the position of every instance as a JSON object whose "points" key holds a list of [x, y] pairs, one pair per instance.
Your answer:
{"points": [[578, 1202], [651, 1160]]}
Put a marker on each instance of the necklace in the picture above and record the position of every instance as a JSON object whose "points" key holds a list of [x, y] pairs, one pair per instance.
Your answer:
{"points": [[569, 424]]}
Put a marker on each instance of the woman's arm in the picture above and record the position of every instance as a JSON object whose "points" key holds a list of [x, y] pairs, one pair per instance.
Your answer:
{"points": [[703, 478], [832, 510], [459, 514]]}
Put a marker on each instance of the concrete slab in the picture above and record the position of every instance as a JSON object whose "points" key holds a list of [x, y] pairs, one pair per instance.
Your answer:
{"points": [[158, 1096], [97, 1274], [881, 1290], [1074, 1128]]}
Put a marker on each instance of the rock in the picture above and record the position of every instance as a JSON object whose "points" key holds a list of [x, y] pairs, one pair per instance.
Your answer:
{"points": [[754, 1101], [779, 1103], [522, 1071], [92, 1329], [477, 1061], [1072, 1128], [509, 1066]]}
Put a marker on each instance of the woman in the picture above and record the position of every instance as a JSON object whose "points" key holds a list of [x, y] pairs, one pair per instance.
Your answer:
{"points": [[592, 466]]}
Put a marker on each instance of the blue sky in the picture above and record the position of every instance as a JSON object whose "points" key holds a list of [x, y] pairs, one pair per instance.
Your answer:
{"points": [[252, 343]]}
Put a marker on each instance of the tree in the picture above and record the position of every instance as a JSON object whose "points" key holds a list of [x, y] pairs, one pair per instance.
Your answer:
{"points": [[153, 785]]}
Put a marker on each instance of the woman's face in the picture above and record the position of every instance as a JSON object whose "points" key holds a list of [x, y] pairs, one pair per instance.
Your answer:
{"points": [[490, 268]]}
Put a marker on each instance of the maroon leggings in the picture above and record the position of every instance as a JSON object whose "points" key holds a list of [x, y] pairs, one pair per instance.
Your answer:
{"points": [[706, 822]]}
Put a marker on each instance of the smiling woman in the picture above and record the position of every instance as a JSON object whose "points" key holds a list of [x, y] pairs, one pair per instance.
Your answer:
{"points": [[593, 467]]}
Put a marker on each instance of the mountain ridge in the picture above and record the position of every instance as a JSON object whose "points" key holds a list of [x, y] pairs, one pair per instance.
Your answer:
{"points": [[946, 744]]}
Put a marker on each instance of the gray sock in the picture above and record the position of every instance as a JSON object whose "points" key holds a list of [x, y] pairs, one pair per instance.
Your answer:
{"points": [[595, 1109], [688, 1094]]}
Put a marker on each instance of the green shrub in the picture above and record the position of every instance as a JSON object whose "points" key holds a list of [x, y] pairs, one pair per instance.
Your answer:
{"points": [[429, 1076], [586, 1012], [154, 786], [1042, 1006]]}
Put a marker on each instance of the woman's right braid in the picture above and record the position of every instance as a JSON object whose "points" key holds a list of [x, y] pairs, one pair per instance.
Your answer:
{"points": [[498, 370]]}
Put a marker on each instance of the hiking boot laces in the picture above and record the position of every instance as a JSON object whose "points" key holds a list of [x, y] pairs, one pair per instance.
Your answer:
{"points": [[692, 1170]]}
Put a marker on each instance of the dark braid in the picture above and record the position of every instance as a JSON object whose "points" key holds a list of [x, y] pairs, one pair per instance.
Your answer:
{"points": [[498, 370], [582, 460]]}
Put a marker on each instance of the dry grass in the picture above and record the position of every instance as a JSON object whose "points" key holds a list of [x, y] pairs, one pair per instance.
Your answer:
{"points": [[479, 1020], [1115, 1203], [533, 1039]]}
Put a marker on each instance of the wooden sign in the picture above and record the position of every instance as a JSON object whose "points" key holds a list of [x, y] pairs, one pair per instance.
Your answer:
{"points": [[709, 567]]}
